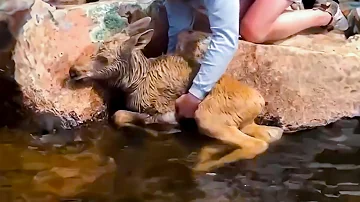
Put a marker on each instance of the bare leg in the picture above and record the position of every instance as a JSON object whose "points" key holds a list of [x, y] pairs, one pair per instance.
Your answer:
{"points": [[266, 21], [268, 134]]}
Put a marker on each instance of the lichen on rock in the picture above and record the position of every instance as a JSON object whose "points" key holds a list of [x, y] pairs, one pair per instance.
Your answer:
{"points": [[108, 19]]}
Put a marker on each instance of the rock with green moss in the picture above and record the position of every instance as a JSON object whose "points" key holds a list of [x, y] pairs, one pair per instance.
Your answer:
{"points": [[112, 17], [54, 40]]}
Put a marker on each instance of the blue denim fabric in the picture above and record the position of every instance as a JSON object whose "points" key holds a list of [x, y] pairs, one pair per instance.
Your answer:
{"points": [[224, 23]]}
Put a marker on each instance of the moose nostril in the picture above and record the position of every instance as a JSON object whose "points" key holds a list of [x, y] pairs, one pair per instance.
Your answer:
{"points": [[73, 73]]}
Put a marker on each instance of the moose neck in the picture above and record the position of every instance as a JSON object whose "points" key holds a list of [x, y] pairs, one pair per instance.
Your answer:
{"points": [[137, 72]]}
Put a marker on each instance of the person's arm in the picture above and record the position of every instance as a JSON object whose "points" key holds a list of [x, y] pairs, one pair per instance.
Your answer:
{"points": [[180, 17], [224, 23]]}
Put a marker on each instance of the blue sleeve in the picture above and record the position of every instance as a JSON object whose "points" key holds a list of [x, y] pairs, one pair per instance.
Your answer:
{"points": [[224, 23], [180, 17]]}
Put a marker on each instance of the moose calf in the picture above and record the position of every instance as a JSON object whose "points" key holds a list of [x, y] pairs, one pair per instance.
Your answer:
{"points": [[153, 85]]}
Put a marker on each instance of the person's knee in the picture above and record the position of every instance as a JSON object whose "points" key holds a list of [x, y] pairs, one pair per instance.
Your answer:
{"points": [[251, 32]]}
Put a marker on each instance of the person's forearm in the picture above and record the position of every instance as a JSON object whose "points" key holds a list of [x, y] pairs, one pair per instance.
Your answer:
{"points": [[224, 24], [180, 17]]}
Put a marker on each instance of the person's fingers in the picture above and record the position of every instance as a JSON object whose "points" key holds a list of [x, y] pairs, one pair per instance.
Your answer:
{"points": [[177, 106], [176, 109], [177, 113], [177, 102]]}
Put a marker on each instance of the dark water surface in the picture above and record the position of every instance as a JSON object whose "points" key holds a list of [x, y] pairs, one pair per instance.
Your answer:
{"points": [[130, 165]]}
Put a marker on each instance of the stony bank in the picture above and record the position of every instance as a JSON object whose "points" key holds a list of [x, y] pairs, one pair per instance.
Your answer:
{"points": [[307, 80]]}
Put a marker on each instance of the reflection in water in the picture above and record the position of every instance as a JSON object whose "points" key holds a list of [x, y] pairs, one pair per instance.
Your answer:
{"points": [[130, 165]]}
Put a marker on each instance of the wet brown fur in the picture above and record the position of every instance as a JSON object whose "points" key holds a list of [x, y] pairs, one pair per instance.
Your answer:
{"points": [[227, 113]]}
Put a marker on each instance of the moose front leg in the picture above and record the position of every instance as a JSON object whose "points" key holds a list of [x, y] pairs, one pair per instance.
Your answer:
{"points": [[123, 118], [166, 118]]}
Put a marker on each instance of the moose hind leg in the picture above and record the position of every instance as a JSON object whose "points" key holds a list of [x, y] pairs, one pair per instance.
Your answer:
{"points": [[268, 134], [250, 147], [209, 151]]}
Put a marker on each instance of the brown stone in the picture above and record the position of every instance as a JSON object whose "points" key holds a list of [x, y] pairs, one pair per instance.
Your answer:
{"points": [[306, 80]]}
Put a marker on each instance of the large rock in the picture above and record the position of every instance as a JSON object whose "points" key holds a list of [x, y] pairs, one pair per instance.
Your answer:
{"points": [[54, 40], [306, 80]]}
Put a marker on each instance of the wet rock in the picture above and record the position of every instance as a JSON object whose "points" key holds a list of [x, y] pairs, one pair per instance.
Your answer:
{"points": [[54, 40], [6, 36], [70, 181], [13, 15], [307, 80], [55, 174], [11, 107]]}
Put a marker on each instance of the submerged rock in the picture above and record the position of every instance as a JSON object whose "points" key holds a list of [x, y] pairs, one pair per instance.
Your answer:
{"points": [[30, 172], [307, 80], [54, 40], [61, 175]]}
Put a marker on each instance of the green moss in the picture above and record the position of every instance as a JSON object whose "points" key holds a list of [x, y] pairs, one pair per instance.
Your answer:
{"points": [[97, 13], [114, 22], [108, 20], [100, 34], [112, 10]]}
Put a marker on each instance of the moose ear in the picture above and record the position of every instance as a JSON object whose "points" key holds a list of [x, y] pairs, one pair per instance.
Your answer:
{"points": [[139, 41], [138, 25]]}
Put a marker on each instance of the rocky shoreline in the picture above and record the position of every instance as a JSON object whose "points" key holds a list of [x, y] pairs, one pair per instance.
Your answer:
{"points": [[308, 80]]}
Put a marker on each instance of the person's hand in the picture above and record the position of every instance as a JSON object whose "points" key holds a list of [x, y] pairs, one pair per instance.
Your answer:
{"points": [[186, 105]]}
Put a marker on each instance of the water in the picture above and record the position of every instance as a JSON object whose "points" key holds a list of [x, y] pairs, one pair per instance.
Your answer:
{"points": [[130, 165]]}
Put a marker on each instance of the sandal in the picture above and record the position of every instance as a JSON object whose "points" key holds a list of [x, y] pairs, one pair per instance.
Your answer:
{"points": [[338, 20], [354, 22]]}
